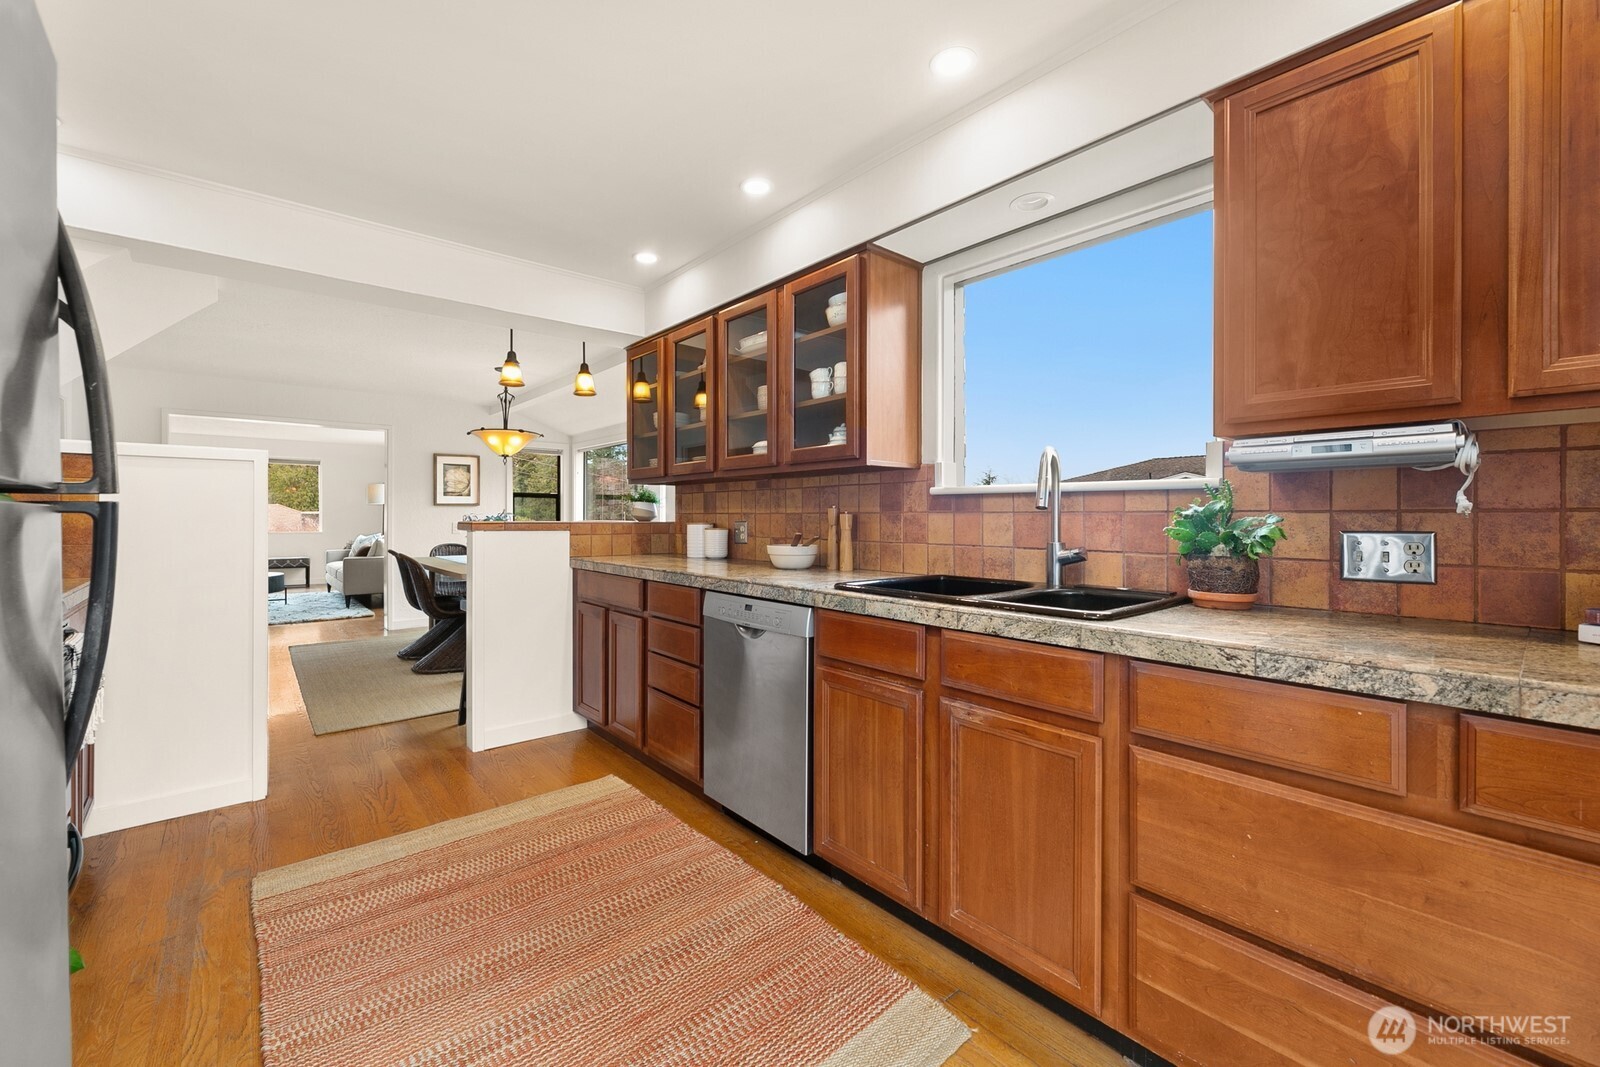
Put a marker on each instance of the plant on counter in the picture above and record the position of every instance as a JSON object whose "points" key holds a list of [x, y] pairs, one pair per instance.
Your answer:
{"points": [[642, 502], [1220, 551]]}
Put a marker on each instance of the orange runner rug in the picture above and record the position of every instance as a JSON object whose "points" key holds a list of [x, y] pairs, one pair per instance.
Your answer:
{"points": [[583, 927]]}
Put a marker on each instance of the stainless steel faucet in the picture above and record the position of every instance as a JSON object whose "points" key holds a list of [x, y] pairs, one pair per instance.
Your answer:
{"points": [[1049, 496]]}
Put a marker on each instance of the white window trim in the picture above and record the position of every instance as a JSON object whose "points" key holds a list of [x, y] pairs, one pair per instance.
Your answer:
{"points": [[1183, 193]]}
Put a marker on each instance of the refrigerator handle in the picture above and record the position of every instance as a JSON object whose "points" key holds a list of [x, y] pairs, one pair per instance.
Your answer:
{"points": [[77, 312], [97, 622]]}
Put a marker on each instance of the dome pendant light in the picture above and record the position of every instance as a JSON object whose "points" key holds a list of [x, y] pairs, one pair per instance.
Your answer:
{"points": [[583, 384], [502, 440], [641, 389], [700, 393]]}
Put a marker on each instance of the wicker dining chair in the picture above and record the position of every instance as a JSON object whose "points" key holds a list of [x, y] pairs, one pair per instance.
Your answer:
{"points": [[449, 587], [449, 654]]}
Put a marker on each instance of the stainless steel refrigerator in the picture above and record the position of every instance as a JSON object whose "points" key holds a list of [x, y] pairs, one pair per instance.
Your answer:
{"points": [[41, 291]]}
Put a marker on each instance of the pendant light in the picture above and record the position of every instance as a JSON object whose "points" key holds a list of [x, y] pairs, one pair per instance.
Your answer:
{"points": [[642, 393], [700, 393], [583, 384], [511, 370], [502, 440]]}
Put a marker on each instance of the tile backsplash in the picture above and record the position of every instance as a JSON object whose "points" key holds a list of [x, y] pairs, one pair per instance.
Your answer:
{"points": [[1529, 555]]}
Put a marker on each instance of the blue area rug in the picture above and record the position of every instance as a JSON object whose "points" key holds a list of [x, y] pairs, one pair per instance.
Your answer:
{"points": [[313, 607]]}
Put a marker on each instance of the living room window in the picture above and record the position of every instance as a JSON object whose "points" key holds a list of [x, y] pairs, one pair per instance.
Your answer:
{"points": [[294, 496], [536, 487]]}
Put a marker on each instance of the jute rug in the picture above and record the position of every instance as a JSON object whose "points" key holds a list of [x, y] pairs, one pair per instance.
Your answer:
{"points": [[350, 684], [587, 928]]}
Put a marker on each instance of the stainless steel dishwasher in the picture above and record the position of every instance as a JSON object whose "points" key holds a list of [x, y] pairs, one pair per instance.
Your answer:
{"points": [[756, 713]]}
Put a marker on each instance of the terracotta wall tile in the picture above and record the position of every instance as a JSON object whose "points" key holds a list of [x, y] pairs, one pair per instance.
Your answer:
{"points": [[1147, 500], [1583, 435], [1519, 480], [1103, 568], [997, 530], [1142, 531], [1452, 597], [1424, 490], [1583, 479], [1519, 597], [941, 528], [1526, 539], [1581, 591], [1300, 583], [1519, 438], [1305, 536], [1366, 490], [1581, 549], [1145, 572], [1103, 530], [1252, 492], [1371, 598], [1301, 491]]}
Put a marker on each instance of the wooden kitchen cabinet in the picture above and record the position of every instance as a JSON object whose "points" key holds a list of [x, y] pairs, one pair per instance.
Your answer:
{"points": [[1020, 844], [868, 767], [647, 456], [1339, 266], [625, 644], [591, 672], [768, 347], [689, 429], [1554, 283]]}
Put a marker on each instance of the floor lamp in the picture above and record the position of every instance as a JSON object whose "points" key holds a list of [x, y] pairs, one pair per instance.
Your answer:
{"points": [[375, 495]]}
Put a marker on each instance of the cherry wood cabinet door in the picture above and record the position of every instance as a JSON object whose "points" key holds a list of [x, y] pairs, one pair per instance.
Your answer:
{"points": [[625, 639], [589, 668], [1339, 234], [747, 391], [1021, 846], [820, 365], [687, 424], [868, 778], [646, 456], [1554, 294]]}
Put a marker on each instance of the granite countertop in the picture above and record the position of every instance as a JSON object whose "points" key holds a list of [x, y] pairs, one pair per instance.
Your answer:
{"points": [[1503, 670]]}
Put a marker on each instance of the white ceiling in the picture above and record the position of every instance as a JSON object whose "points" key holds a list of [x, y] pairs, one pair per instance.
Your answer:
{"points": [[570, 134]]}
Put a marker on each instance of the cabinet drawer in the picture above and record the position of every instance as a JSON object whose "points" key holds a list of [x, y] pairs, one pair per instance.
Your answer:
{"points": [[672, 734], [675, 679], [676, 640], [613, 590], [1537, 776], [896, 647], [1057, 679], [1331, 735], [1203, 996], [679, 602], [1463, 924]]}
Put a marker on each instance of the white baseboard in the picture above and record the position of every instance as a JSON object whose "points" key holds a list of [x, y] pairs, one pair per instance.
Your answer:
{"points": [[526, 730], [108, 817]]}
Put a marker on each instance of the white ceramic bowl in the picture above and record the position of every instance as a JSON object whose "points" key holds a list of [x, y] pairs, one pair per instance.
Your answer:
{"points": [[755, 340], [837, 298], [836, 314], [791, 558]]}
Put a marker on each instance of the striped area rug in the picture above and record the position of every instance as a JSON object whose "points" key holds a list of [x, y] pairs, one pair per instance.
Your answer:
{"points": [[584, 927]]}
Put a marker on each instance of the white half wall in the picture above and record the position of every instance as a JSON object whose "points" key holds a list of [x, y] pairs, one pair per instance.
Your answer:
{"points": [[186, 670], [519, 636], [418, 427]]}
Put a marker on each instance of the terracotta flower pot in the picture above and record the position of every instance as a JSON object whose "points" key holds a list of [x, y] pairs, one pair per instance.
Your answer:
{"points": [[1228, 582]]}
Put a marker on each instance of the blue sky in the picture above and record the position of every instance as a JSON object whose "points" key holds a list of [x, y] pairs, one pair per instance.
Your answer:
{"points": [[1104, 352]]}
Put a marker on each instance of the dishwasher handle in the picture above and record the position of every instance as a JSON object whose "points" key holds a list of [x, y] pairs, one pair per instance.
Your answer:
{"points": [[751, 632]]}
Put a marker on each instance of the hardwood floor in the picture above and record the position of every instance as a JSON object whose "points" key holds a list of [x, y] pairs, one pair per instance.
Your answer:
{"points": [[162, 913]]}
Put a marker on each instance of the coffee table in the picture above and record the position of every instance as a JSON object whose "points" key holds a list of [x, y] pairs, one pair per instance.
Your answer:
{"points": [[276, 583]]}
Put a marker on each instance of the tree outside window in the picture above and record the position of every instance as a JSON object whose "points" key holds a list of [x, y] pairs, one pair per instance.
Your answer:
{"points": [[294, 497], [536, 487], [605, 483]]}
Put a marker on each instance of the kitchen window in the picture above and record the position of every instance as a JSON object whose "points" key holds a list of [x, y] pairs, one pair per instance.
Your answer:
{"points": [[294, 496], [1092, 332], [604, 487]]}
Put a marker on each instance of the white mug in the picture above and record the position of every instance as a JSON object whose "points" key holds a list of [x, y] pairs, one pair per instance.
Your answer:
{"points": [[840, 369], [821, 374], [761, 398], [821, 389]]}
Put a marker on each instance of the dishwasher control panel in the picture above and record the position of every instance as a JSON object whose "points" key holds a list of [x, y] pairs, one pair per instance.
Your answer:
{"points": [[792, 619]]}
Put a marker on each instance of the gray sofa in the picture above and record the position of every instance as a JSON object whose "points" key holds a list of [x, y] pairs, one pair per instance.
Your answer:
{"points": [[355, 575]]}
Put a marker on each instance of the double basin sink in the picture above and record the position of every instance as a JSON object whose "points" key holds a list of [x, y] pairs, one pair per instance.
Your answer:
{"points": [[1071, 602]]}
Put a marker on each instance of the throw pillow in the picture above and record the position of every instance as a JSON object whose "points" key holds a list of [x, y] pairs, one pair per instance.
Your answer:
{"points": [[376, 548], [359, 550]]}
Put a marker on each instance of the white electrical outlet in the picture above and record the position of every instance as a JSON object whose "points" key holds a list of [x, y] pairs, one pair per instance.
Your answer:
{"points": [[1387, 557]]}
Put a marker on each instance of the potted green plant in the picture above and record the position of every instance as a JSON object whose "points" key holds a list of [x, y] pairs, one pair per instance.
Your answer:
{"points": [[642, 503], [1220, 551]]}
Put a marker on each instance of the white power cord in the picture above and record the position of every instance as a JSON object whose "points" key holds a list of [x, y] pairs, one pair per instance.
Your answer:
{"points": [[1467, 462]]}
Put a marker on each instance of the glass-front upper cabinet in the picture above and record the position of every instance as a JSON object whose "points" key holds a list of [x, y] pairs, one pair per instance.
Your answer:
{"points": [[646, 457], [689, 398], [749, 386], [822, 312]]}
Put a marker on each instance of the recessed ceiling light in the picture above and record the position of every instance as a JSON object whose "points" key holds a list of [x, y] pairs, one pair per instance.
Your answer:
{"points": [[756, 187], [1031, 201], [645, 258], [953, 62]]}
